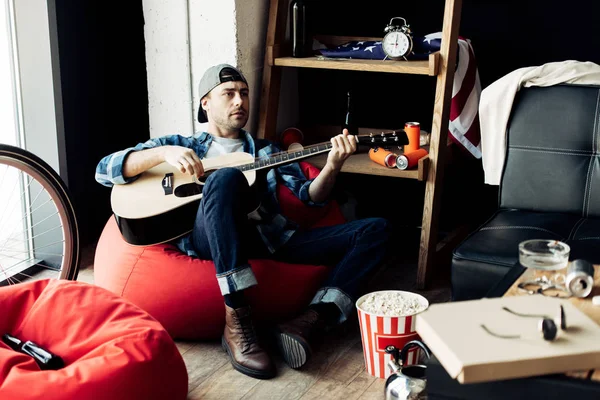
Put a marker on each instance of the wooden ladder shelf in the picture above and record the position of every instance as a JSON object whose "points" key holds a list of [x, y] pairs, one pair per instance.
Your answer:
{"points": [[431, 170]]}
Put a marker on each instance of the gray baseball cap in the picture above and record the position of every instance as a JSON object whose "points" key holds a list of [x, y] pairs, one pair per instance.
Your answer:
{"points": [[212, 78]]}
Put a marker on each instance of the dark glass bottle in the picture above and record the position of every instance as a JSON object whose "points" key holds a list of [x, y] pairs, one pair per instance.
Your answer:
{"points": [[298, 28], [42, 357], [350, 119]]}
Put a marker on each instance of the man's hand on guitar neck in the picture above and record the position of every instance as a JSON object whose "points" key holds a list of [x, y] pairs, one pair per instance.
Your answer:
{"points": [[343, 147], [182, 158]]}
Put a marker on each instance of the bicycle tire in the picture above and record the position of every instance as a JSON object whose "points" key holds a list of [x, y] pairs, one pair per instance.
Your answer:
{"points": [[45, 175]]}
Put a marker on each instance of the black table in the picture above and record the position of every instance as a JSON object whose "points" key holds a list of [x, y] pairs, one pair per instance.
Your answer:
{"points": [[441, 386]]}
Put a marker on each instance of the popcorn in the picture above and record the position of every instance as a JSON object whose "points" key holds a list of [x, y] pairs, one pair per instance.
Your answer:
{"points": [[392, 304]]}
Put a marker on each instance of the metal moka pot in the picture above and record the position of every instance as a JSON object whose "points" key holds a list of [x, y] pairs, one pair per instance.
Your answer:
{"points": [[406, 382]]}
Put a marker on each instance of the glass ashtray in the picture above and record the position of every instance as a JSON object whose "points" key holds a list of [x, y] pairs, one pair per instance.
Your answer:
{"points": [[545, 255]]}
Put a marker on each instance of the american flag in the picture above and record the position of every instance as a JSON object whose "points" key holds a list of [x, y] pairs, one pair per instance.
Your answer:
{"points": [[463, 126]]}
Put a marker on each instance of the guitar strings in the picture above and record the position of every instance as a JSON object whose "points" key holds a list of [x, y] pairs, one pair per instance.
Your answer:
{"points": [[282, 153], [314, 146], [309, 147]]}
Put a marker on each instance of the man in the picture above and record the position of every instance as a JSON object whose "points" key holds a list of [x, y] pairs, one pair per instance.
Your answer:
{"points": [[225, 233]]}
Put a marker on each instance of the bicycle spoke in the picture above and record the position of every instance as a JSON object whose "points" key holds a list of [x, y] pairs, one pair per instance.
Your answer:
{"points": [[13, 278], [3, 176], [5, 273], [42, 267], [33, 226], [33, 237], [22, 196], [26, 216], [8, 202], [36, 209], [26, 264], [39, 252]]}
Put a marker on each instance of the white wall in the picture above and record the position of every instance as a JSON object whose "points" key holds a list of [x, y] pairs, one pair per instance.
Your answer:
{"points": [[168, 66], [183, 39]]}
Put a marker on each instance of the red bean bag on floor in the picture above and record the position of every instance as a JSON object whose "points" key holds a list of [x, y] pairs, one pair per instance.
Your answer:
{"points": [[182, 292], [112, 349]]}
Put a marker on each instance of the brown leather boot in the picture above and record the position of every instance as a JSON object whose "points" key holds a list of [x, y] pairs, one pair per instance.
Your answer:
{"points": [[294, 337], [240, 342]]}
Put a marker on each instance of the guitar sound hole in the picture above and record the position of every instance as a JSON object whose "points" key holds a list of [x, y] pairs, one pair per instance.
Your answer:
{"points": [[204, 177], [188, 189], [192, 189]]}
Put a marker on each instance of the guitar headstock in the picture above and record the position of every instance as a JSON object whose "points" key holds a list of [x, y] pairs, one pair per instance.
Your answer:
{"points": [[383, 139]]}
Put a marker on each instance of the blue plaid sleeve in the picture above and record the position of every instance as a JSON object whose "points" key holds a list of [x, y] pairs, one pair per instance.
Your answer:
{"points": [[293, 178], [109, 171]]}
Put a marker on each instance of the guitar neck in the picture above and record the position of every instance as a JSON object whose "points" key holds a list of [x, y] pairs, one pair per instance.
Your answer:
{"points": [[313, 150], [286, 157]]}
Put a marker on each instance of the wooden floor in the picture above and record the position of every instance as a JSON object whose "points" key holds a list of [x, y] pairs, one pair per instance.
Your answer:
{"points": [[336, 371]]}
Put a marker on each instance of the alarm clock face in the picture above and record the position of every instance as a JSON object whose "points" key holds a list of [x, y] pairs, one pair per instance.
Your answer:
{"points": [[396, 44]]}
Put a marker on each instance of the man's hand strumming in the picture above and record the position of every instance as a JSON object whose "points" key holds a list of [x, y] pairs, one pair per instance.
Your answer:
{"points": [[184, 159]]}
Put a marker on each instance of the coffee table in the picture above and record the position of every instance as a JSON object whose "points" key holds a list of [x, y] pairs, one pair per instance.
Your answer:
{"points": [[585, 305], [578, 385]]}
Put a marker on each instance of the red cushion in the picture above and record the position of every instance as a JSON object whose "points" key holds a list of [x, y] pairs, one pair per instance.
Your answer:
{"points": [[303, 215], [182, 292], [111, 348]]}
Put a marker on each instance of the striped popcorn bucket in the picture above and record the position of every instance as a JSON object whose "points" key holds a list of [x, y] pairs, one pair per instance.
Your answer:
{"points": [[379, 331]]}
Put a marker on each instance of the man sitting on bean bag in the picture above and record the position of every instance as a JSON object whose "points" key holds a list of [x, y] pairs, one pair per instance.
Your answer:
{"points": [[225, 233]]}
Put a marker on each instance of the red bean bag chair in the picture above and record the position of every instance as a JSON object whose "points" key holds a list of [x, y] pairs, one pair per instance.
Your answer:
{"points": [[112, 349], [182, 292]]}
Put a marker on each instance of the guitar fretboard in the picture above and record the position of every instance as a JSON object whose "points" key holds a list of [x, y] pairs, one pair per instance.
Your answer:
{"points": [[389, 138], [283, 158]]}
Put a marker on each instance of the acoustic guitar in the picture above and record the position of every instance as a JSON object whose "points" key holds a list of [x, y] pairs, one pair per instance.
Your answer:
{"points": [[161, 204]]}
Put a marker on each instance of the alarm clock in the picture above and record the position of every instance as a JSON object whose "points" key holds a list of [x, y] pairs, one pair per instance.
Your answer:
{"points": [[397, 42]]}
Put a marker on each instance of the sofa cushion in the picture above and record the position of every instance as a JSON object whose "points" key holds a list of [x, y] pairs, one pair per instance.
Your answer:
{"points": [[585, 240], [552, 160]]}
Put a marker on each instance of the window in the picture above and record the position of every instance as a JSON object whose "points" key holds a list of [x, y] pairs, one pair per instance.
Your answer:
{"points": [[28, 119]]}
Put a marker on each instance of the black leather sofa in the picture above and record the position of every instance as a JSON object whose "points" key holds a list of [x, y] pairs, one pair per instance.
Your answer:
{"points": [[550, 187]]}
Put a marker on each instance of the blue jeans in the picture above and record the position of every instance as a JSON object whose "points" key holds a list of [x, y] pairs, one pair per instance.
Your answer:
{"points": [[224, 234]]}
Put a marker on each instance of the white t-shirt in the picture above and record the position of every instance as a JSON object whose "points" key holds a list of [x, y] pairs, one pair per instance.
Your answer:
{"points": [[221, 145]]}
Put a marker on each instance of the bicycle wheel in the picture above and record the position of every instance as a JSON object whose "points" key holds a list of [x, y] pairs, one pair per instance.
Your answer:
{"points": [[39, 238]]}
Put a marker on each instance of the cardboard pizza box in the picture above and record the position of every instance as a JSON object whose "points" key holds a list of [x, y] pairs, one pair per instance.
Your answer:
{"points": [[469, 354]]}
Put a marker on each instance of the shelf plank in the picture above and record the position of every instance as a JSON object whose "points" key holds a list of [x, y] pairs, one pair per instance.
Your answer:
{"points": [[426, 67], [362, 164]]}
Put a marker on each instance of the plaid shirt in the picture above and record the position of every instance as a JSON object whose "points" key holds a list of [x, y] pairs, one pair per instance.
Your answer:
{"points": [[274, 228]]}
